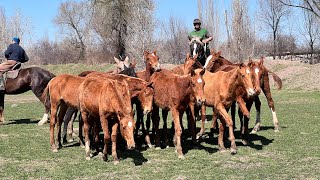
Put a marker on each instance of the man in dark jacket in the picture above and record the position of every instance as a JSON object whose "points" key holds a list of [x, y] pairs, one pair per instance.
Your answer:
{"points": [[14, 54]]}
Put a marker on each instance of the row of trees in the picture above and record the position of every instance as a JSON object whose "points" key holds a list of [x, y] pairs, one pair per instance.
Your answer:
{"points": [[93, 31]]}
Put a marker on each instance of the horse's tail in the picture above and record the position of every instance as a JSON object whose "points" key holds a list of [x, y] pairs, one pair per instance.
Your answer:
{"points": [[46, 98], [276, 79]]}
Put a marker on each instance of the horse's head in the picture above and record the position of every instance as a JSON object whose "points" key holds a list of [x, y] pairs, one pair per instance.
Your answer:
{"points": [[197, 85], [130, 71], [127, 125], [245, 76], [212, 59], [196, 47], [152, 60], [257, 70], [121, 64], [145, 97], [190, 63]]}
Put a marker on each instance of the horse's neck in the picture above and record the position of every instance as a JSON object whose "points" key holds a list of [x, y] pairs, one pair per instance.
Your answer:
{"points": [[233, 81], [184, 84], [148, 72]]}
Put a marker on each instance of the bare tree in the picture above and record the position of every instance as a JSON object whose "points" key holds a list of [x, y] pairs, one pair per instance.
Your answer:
{"points": [[73, 19], [311, 30], [242, 36], [312, 6], [272, 12], [200, 9]]}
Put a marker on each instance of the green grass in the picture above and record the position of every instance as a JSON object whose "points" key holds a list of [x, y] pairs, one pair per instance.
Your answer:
{"points": [[294, 152]]}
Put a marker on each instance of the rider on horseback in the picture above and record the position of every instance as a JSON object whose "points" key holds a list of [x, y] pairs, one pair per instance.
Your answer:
{"points": [[201, 33], [14, 54]]}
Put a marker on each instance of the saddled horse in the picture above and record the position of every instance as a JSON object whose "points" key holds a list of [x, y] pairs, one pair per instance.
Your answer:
{"points": [[32, 78], [197, 47]]}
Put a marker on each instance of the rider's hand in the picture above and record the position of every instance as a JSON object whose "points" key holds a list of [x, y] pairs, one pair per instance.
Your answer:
{"points": [[204, 41]]}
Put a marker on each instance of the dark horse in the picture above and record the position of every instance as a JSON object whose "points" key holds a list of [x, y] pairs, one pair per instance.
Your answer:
{"points": [[32, 78], [197, 47]]}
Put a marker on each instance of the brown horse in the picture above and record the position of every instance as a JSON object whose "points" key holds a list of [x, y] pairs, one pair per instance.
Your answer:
{"points": [[32, 78], [220, 91], [175, 93], [190, 64], [215, 63], [152, 65], [104, 99]]}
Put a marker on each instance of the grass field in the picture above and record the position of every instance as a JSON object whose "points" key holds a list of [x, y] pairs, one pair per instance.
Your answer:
{"points": [[292, 153]]}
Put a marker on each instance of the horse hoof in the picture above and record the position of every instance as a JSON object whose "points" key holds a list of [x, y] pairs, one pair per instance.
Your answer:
{"points": [[55, 150], [245, 142], [167, 147], [233, 151], [253, 131], [150, 146], [88, 158], [158, 148], [181, 157], [222, 150], [70, 140], [276, 130], [116, 162], [41, 123]]}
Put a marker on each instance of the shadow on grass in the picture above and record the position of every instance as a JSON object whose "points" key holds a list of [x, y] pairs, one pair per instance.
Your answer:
{"points": [[21, 121]]}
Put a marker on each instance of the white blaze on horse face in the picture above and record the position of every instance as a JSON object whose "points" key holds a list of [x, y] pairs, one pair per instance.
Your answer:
{"points": [[194, 49], [153, 54], [256, 70], [129, 124], [248, 71], [199, 80], [207, 61]]}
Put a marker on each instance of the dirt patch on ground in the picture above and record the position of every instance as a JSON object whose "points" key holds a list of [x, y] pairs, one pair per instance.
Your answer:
{"points": [[21, 98]]}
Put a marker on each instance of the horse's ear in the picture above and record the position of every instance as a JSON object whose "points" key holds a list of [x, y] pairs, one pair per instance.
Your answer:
{"points": [[133, 63], [193, 73], [241, 65], [145, 53], [218, 53], [261, 60], [126, 60], [117, 60], [155, 52], [188, 56], [202, 72], [250, 62]]}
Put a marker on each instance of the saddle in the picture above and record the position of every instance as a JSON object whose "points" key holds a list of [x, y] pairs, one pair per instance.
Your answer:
{"points": [[13, 72]]}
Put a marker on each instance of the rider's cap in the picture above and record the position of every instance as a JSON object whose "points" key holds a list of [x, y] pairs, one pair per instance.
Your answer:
{"points": [[196, 21], [16, 39]]}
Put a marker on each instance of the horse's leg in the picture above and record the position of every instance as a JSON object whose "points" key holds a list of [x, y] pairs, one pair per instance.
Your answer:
{"points": [[257, 103], [105, 129], [146, 132], [233, 114], [192, 122], [70, 126], [245, 131], [222, 126], [2, 93], [203, 118], [62, 112], [165, 128], [267, 93], [44, 119], [53, 117], [114, 134], [225, 115], [66, 121], [81, 124], [86, 127], [155, 122], [178, 132]]}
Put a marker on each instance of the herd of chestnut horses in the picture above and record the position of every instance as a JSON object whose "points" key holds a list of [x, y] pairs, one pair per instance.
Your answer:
{"points": [[106, 101]]}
